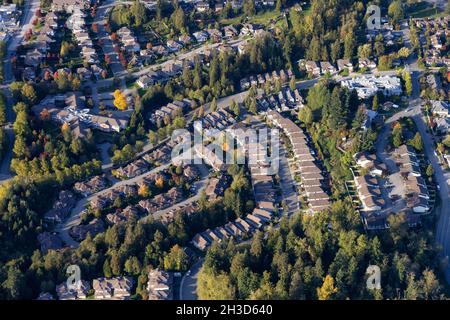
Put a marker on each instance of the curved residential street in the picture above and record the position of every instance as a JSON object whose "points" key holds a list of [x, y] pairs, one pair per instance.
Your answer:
{"points": [[75, 215], [188, 286], [442, 177]]}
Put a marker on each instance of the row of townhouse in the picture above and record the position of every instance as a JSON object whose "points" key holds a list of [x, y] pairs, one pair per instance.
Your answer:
{"points": [[160, 285], [269, 77], [77, 23], [128, 40], [285, 100], [416, 191], [259, 163], [91, 186], [103, 200], [187, 210], [40, 47], [438, 30], [61, 208], [369, 192], [238, 229], [9, 18], [169, 69], [122, 215], [264, 191], [171, 110], [312, 180], [441, 112], [218, 5], [81, 231], [216, 187], [317, 69], [212, 126], [215, 35], [117, 288], [161, 201], [218, 120]]}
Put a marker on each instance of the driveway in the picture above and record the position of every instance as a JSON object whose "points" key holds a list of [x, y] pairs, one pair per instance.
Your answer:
{"points": [[106, 43], [287, 183]]}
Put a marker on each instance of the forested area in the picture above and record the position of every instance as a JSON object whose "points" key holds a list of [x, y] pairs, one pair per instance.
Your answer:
{"points": [[42, 148], [324, 257], [333, 113], [3, 120], [129, 248]]}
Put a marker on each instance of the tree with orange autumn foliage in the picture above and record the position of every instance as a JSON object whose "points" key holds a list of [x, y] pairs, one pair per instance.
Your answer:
{"points": [[120, 100], [44, 115], [143, 191], [159, 182]]}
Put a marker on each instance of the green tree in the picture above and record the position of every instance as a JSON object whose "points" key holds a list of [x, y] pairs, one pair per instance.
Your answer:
{"points": [[28, 93], [214, 286], [429, 172], [416, 142], [107, 269], [139, 12], [395, 11], [403, 52], [15, 282], [249, 8], [176, 259], [397, 138], [375, 103], [235, 108], [349, 45], [292, 85], [213, 106], [305, 115], [429, 284], [408, 83]]}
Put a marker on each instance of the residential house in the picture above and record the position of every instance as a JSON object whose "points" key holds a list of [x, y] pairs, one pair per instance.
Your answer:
{"points": [[119, 288]]}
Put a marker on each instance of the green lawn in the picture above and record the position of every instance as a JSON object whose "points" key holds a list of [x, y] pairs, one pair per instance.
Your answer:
{"points": [[263, 18], [423, 10]]}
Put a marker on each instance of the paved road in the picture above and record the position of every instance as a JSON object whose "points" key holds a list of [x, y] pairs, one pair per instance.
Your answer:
{"points": [[75, 215], [106, 43], [106, 158], [187, 55], [16, 39], [287, 184], [439, 3], [199, 186], [188, 286]]}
